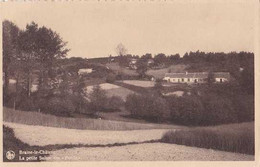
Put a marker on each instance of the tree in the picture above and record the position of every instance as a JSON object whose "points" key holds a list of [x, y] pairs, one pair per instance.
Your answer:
{"points": [[98, 99], [121, 50], [40, 50], [158, 86], [27, 44], [10, 52], [141, 67], [174, 58], [147, 56], [160, 59], [49, 47]]}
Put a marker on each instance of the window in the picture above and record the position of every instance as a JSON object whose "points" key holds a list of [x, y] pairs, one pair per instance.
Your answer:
{"points": [[195, 80], [182, 79], [188, 79], [221, 80]]}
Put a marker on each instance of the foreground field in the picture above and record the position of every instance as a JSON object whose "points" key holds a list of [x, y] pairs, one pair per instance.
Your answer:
{"points": [[233, 137], [61, 136], [36, 118], [149, 152], [85, 145]]}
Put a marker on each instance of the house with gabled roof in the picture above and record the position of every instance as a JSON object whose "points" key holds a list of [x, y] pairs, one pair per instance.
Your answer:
{"points": [[197, 77]]}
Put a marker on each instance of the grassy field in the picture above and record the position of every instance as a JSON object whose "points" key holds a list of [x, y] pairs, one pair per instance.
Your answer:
{"points": [[36, 118], [113, 90], [144, 84], [233, 137], [116, 68], [161, 72]]}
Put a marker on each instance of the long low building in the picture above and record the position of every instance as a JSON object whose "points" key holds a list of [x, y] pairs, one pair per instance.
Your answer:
{"points": [[199, 77]]}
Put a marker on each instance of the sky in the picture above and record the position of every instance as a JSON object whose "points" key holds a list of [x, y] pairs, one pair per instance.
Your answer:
{"points": [[94, 29]]}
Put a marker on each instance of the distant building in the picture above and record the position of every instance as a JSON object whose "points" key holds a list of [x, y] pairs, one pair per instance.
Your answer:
{"points": [[199, 77], [85, 71], [150, 62], [132, 63]]}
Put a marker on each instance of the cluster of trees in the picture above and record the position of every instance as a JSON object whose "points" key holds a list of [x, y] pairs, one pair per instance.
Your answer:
{"points": [[30, 56], [209, 105], [99, 101], [37, 56]]}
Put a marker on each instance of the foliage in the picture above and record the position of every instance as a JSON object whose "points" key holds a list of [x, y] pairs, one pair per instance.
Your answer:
{"points": [[114, 103], [235, 138], [141, 65], [60, 106], [98, 99], [111, 78], [204, 105], [160, 59], [149, 107]]}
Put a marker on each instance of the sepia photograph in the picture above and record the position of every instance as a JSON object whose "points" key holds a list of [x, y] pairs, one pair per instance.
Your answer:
{"points": [[128, 81]]}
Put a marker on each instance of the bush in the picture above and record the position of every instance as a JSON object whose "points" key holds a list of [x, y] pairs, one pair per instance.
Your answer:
{"points": [[114, 103], [187, 110], [98, 99], [111, 78], [27, 104], [218, 110], [60, 106], [152, 107], [234, 138]]}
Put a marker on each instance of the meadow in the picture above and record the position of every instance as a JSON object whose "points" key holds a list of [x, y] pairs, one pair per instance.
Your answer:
{"points": [[113, 90], [233, 137], [144, 84], [116, 68], [37, 118]]}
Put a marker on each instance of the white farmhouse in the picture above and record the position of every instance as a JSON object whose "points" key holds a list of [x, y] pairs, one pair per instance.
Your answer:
{"points": [[199, 77]]}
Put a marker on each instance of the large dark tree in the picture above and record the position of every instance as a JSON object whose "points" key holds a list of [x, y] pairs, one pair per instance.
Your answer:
{"points": [[10, 51]]}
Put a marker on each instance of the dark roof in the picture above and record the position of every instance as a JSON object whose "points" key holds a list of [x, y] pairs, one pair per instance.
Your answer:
{"points": [[197, 75]]}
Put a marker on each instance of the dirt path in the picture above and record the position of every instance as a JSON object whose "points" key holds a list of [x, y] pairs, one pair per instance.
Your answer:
{"points": [[147, 152]]}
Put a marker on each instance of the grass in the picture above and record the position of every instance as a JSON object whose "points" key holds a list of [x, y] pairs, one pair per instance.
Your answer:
{"points": [[120, 92], [136, 89], [113, 90], [233, 138], [36, 118], [144, 84], [116, 68]]}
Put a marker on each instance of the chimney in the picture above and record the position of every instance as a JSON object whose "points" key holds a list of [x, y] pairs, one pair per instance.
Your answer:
{"points": [[186, 72]]}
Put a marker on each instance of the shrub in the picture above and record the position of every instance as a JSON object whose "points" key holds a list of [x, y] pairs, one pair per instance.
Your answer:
{"points": [[149, 107], [218, 110], [27, 104], [186, 110], [98, 99], [114, 103], [111, 78], [234, 138], [60, 106]]}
